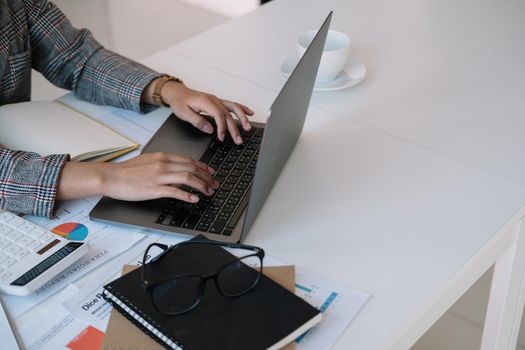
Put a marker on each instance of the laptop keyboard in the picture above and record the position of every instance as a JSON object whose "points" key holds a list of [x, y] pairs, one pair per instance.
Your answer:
{"points": [[235, 168]]}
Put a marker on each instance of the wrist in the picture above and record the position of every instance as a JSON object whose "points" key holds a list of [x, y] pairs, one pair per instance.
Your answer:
{"points": [[171, 91], [79, 180]]}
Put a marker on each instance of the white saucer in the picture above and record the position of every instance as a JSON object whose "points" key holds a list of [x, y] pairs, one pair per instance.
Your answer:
{"points": [[353, 73]]}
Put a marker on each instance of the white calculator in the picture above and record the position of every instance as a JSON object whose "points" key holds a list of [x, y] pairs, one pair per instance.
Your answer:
{"points": [[30, 255]]}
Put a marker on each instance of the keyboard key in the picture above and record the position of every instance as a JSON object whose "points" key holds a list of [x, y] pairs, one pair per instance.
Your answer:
{"points": [[191, 221], [232, 180], [160, 219], [202, 227], [227, 187], [224, 216], [3, 257], [222, 195], [217, 226]]}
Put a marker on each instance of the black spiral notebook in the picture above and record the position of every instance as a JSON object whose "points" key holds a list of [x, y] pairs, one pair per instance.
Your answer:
{"points": [[267, 317]]}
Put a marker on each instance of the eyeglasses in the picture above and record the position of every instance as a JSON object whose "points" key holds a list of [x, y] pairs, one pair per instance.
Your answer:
{"points": [[182, 293]]}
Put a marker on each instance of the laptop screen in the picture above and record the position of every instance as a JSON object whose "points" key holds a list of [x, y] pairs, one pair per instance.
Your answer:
{"points": [[285, 123]]}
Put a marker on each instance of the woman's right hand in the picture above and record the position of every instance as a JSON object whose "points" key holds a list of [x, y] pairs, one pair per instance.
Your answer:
{"points": [[148, 176]]}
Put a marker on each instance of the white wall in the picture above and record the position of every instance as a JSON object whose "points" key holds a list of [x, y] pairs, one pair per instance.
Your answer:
{"points": [[229, 8]]}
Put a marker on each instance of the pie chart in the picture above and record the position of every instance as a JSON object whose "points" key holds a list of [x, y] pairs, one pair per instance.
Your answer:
{"points": [[71, 230]]}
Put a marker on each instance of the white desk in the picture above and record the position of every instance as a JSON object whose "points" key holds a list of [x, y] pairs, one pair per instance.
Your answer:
{"points": [[448, 75], [413, 227]]}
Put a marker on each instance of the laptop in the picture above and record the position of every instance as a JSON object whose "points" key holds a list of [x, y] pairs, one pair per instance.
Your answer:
{"points": [[246, 173]]}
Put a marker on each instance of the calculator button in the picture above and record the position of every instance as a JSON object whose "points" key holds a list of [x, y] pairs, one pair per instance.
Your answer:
{"points": [[15, 221], [5, 275], [22, 254], [26, 227], [13, 235], [9, 262], [5, 229], [38, 232], [34, 246], [3, 243], [25, 240], [48, 237], [12, 249], [6, 216]]}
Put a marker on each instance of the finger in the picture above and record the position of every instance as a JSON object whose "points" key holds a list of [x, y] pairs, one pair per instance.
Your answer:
{"points": [[239, 112], [215, 109], [175, 158], [195, 119], [234, 131], [192, 168], [246, 109], [177, 193], [188, 179]]}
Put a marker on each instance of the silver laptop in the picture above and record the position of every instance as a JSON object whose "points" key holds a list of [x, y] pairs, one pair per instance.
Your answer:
{"points": [[246, 172]]}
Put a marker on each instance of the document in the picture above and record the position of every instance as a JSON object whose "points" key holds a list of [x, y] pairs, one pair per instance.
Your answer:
{"points": [[338, 303], [136, 126], [84, 313], [72, 222], [77, 316]]}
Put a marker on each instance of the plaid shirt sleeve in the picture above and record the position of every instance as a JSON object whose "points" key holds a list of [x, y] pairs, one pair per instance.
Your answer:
{"points": [[28, 182], [72, 59]]}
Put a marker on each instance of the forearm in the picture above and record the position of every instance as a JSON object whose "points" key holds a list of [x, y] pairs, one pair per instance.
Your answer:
{"points": [[79, 180]]}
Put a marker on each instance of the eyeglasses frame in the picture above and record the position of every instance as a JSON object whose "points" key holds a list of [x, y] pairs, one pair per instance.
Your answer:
{"points": [[148, 286]]}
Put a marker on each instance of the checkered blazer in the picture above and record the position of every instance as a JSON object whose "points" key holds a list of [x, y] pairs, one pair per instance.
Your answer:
{"points": [[36, 34]]}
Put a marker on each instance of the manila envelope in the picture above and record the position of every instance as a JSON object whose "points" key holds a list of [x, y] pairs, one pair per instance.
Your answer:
{"points": [[121, 334]]}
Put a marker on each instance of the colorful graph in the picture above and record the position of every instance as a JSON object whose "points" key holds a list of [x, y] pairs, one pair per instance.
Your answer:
{"points": [[71, 230]]}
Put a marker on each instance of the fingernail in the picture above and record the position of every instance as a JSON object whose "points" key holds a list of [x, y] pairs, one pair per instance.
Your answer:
{"points": [[216, 183], [207, 128], [211, 170], [239, 140], [210, 191], [194, 198]]}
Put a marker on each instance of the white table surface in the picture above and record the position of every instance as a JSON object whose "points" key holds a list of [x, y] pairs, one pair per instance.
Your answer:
{"points": [[447, 75], [369, 209]]}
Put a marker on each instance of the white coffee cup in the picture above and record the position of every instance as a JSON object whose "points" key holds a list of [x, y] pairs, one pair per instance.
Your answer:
{"points": [[335, 53]]}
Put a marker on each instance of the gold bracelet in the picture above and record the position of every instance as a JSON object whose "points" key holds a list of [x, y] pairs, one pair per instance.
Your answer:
{"points": [[161, 81]]}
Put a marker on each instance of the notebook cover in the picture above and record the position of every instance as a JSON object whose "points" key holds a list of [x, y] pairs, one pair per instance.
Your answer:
{"points": [[121, 334], [256, 320]]}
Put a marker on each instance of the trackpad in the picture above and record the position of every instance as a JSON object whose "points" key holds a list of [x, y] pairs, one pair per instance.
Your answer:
{"points": [[183, 148]]}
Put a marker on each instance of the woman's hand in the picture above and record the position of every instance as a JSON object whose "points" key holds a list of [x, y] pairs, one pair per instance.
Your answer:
{"points": [[148, 176], [187, 104]]}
